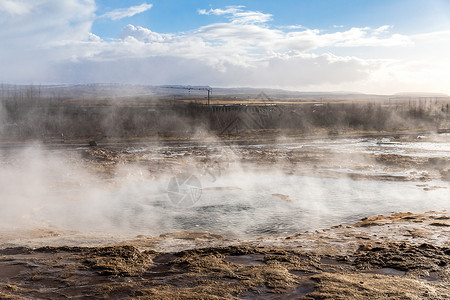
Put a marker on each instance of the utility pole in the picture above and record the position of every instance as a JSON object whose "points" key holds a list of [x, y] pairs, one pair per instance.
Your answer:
{"points": [[209, 96], [189, 88]]}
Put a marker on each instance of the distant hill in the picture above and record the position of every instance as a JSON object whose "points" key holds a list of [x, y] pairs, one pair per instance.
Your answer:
{"points": [[117, 90], [420, 94]]}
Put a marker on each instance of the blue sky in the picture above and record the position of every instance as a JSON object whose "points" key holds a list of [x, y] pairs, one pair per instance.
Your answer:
{"points": [[407, 16], [383, 46]]}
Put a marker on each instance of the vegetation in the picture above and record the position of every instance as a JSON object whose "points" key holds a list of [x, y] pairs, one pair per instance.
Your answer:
{"points": [[25, 114]]}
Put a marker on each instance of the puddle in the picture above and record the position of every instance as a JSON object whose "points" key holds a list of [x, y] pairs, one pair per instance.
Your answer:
{"points": [[386, 271], [248, 260], [8, 271], [306, 286], [432, 276], [303, 273], [324, 261]]}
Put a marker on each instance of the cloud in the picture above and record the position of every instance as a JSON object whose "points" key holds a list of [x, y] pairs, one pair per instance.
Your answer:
{"points": [[382, 29], [141, 34], [278, 71], [292, 27], [13, 8], [238, 15], [34, 40], [121, 13], [261, 39], [46, 21], [365, 37]]}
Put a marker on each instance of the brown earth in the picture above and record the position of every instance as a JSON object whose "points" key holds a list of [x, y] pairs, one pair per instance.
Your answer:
{"points": [[402, 256]]}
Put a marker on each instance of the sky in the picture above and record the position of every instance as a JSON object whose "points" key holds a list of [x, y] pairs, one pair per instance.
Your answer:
{"points": [[380, 47]]}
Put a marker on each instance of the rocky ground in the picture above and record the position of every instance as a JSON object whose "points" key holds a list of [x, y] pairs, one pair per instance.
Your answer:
{"points": [[304, 157]]}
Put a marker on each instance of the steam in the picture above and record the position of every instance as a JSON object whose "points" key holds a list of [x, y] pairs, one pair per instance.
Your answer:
{"points": [[40, 187], [247, 190]]}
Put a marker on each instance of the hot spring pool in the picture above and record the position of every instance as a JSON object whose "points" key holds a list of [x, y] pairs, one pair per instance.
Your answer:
{"points": [[254, 205]]}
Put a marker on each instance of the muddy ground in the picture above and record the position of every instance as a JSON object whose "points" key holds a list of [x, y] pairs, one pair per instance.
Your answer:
{"points": [[403, 256], [400, 256]]}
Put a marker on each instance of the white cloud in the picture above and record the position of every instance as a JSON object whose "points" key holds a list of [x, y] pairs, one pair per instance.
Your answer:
{"points": [[218, 11], [47, 21], [278, 71], [238, 15], [32, 42], [121, 13], [382, 29], [362, 37], [141, 34], [262, 38], [94, 38], [292, 27], [13, 7]]}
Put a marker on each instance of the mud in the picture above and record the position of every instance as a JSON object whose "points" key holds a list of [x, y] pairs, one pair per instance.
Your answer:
{"points": [[376, 259]]}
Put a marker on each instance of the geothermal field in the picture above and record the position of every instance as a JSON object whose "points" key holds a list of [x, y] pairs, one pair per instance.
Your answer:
{"points": [[167, 197]]}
